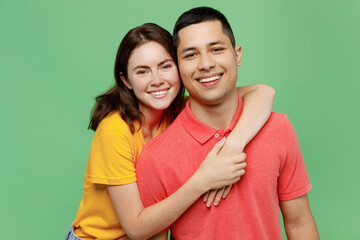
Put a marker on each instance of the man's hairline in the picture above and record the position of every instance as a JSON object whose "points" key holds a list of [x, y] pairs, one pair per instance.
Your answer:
{"points": [[210, 20]]}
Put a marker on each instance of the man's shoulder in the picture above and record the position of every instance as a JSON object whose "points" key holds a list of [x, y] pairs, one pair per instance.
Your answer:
{"points": [[276, 131], [276, 119], [275, 127], [159, 150], [169, 135]]}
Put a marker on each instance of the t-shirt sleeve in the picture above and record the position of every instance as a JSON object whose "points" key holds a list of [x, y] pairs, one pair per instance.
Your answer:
{"points": [[293, 180], [111, 157]]}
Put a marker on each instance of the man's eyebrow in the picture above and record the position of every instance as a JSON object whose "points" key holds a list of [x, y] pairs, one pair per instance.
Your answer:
{"points": [[215, 43], [209, 44], [188, 49]]}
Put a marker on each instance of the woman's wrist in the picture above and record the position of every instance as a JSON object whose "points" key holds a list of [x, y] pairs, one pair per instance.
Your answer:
{"points": [[233, 146], [240, 146], [198, 183]]}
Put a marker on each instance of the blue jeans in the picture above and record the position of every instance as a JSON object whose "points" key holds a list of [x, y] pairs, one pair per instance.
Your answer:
{"points": [[71, 235]]}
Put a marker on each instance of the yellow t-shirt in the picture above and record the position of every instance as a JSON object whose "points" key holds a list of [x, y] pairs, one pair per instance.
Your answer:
{"points": [[114, 151]]}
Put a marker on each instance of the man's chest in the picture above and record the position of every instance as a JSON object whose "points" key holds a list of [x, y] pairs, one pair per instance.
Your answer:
{"points": [[261, 172]]}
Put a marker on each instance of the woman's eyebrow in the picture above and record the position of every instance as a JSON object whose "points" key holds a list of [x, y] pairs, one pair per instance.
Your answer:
{"points": [[166, 60], [145, 66], [140, 66]]}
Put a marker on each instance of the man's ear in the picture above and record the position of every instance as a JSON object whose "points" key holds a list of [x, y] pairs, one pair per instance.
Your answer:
{"points": [[127, 84], [238, 54]]}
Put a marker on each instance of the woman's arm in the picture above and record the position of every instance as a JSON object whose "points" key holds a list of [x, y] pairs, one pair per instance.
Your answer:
{"points": [[139, 222], [258, 101]]}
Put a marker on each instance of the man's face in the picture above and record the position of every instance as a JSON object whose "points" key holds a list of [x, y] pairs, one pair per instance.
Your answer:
{"points": [[207, 62]]}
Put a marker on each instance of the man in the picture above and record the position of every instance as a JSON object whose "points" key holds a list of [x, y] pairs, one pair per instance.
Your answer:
{"points": [[275, 173]]}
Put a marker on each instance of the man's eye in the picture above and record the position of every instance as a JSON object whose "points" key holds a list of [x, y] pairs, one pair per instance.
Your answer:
{"points": [[217, 49], [190, 55]]}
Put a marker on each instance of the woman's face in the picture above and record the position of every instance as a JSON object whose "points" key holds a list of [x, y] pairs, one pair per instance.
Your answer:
{"points": [[153, 76]]}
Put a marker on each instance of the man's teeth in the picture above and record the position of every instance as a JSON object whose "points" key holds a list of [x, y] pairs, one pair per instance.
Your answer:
{"points": [[158, 93], [204, 80]]}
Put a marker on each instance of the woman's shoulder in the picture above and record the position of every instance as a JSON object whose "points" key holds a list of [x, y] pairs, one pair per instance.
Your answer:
{"points": [[113, 121]]}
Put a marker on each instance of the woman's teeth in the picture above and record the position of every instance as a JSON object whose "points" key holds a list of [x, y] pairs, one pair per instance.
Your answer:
{"points": [[158, 93]]}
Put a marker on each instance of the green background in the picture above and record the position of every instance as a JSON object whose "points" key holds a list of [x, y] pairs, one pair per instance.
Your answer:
{"points": [[56, 56]]}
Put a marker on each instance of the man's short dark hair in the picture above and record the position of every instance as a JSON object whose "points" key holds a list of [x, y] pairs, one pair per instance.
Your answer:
{"points": [[199, 15]]}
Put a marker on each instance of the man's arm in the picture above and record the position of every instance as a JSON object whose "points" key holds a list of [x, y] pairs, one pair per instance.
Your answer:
{"points": [[299, 222]]}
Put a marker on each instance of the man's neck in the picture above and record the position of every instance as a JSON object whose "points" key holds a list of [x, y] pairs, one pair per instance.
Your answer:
{"points": [[218, 116]]}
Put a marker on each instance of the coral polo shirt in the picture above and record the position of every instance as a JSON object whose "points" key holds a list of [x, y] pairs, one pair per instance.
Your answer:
{"points": [[275, 171]]}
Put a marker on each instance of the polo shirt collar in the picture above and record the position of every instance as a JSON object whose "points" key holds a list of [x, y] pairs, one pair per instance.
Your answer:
{"points": [[202, 132]]}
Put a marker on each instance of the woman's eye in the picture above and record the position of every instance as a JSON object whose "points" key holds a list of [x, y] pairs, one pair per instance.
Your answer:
{"points": [[167, 66], [140, 72]]}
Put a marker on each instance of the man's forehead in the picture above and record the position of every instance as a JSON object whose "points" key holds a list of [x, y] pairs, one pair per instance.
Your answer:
{"points": [[207, 32]]}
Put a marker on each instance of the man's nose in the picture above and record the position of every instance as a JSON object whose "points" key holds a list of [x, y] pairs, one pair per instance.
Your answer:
{"points": [[206, 62]]}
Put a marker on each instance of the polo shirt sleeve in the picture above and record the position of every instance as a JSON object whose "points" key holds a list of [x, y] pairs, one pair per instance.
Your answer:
{"points": [[149, 180], [111, 160], [293, 179]]}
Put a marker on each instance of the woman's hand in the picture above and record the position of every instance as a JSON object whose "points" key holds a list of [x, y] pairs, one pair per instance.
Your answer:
{"points": [[231, 147], [219, 172], [215, 195]]}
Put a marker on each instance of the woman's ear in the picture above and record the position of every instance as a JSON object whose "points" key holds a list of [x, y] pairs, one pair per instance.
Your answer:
{"points": [[127, 84]]}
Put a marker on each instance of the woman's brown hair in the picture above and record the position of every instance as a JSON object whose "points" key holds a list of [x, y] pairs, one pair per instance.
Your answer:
{"points": [[119, 97]]}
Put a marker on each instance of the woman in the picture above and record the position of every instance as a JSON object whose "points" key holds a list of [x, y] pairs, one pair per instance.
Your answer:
{"points": [[147, 97]]}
